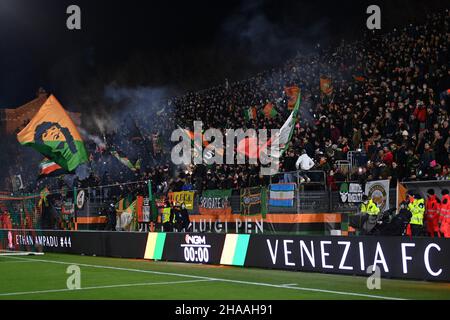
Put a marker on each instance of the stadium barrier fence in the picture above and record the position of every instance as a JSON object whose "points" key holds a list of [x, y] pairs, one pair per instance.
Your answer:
{"points": [[313, 212]]}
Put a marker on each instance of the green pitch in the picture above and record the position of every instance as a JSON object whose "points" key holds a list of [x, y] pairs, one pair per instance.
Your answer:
{"points": [[45, 277]]}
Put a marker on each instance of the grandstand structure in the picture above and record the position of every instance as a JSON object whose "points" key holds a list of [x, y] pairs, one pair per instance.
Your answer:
{"points": [[369, 118], [384, 115]]}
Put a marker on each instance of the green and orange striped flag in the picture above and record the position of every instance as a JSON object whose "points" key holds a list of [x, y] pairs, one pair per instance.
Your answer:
{"points": [[250, 113], [52, 133], [269, 111]]}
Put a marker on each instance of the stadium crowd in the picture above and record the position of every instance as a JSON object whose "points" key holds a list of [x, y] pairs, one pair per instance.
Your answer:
{"points": [[389, 100]]}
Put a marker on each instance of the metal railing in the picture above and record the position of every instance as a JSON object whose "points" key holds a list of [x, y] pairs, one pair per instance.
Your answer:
{"points": [[305, 201], [356, 158], [344, 166], [303, 178]]}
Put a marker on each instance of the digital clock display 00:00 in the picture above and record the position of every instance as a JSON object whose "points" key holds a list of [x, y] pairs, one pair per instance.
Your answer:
{"points": [[196, 254]]}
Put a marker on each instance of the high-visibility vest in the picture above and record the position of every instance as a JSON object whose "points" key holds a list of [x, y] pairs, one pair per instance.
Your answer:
{"points": [[166, 214], [370, 208], [417, 209]]}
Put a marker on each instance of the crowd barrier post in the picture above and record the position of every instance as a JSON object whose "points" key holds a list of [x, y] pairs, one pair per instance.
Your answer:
{"points": [[75, 207], [298, 193]]}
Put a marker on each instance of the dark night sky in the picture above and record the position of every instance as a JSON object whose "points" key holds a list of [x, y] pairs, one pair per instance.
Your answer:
{"points": [[185, 45]]}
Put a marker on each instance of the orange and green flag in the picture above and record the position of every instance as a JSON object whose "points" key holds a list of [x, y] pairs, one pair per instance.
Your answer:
{"points": [[53, 133], [401, 194], [292, 93], [270, 111], [325, 85], [250, 113]]}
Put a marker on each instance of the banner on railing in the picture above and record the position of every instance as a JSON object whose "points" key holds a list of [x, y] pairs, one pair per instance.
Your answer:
{"points": [[183, 196], [140, 208], [216, 202], [351, 192], [378, 191], [281, 195], [146, 212], [254, 201]]}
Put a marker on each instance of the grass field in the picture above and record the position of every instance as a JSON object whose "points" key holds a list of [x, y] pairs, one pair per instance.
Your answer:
{"points": [[44, 277]]}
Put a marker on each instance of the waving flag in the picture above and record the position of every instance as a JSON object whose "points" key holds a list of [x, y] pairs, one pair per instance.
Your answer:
{"points": [[270, 111], [250, 113], [126, 162], [53, 134], [325, 85], [292, 93], [50, 168], [359, 78], [189, 135], [282, 139], [287, 129]]}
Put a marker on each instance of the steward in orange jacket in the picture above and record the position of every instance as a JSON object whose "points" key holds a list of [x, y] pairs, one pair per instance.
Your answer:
{"points": [[445, 214], [432, 213]]}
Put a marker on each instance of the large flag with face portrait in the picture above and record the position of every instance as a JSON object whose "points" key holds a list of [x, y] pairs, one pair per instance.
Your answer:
{"points": [[53, 133]]}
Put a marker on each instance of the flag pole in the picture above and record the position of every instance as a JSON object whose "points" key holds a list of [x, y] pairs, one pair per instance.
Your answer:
{"points": [[151, 201], [75, 207]]}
